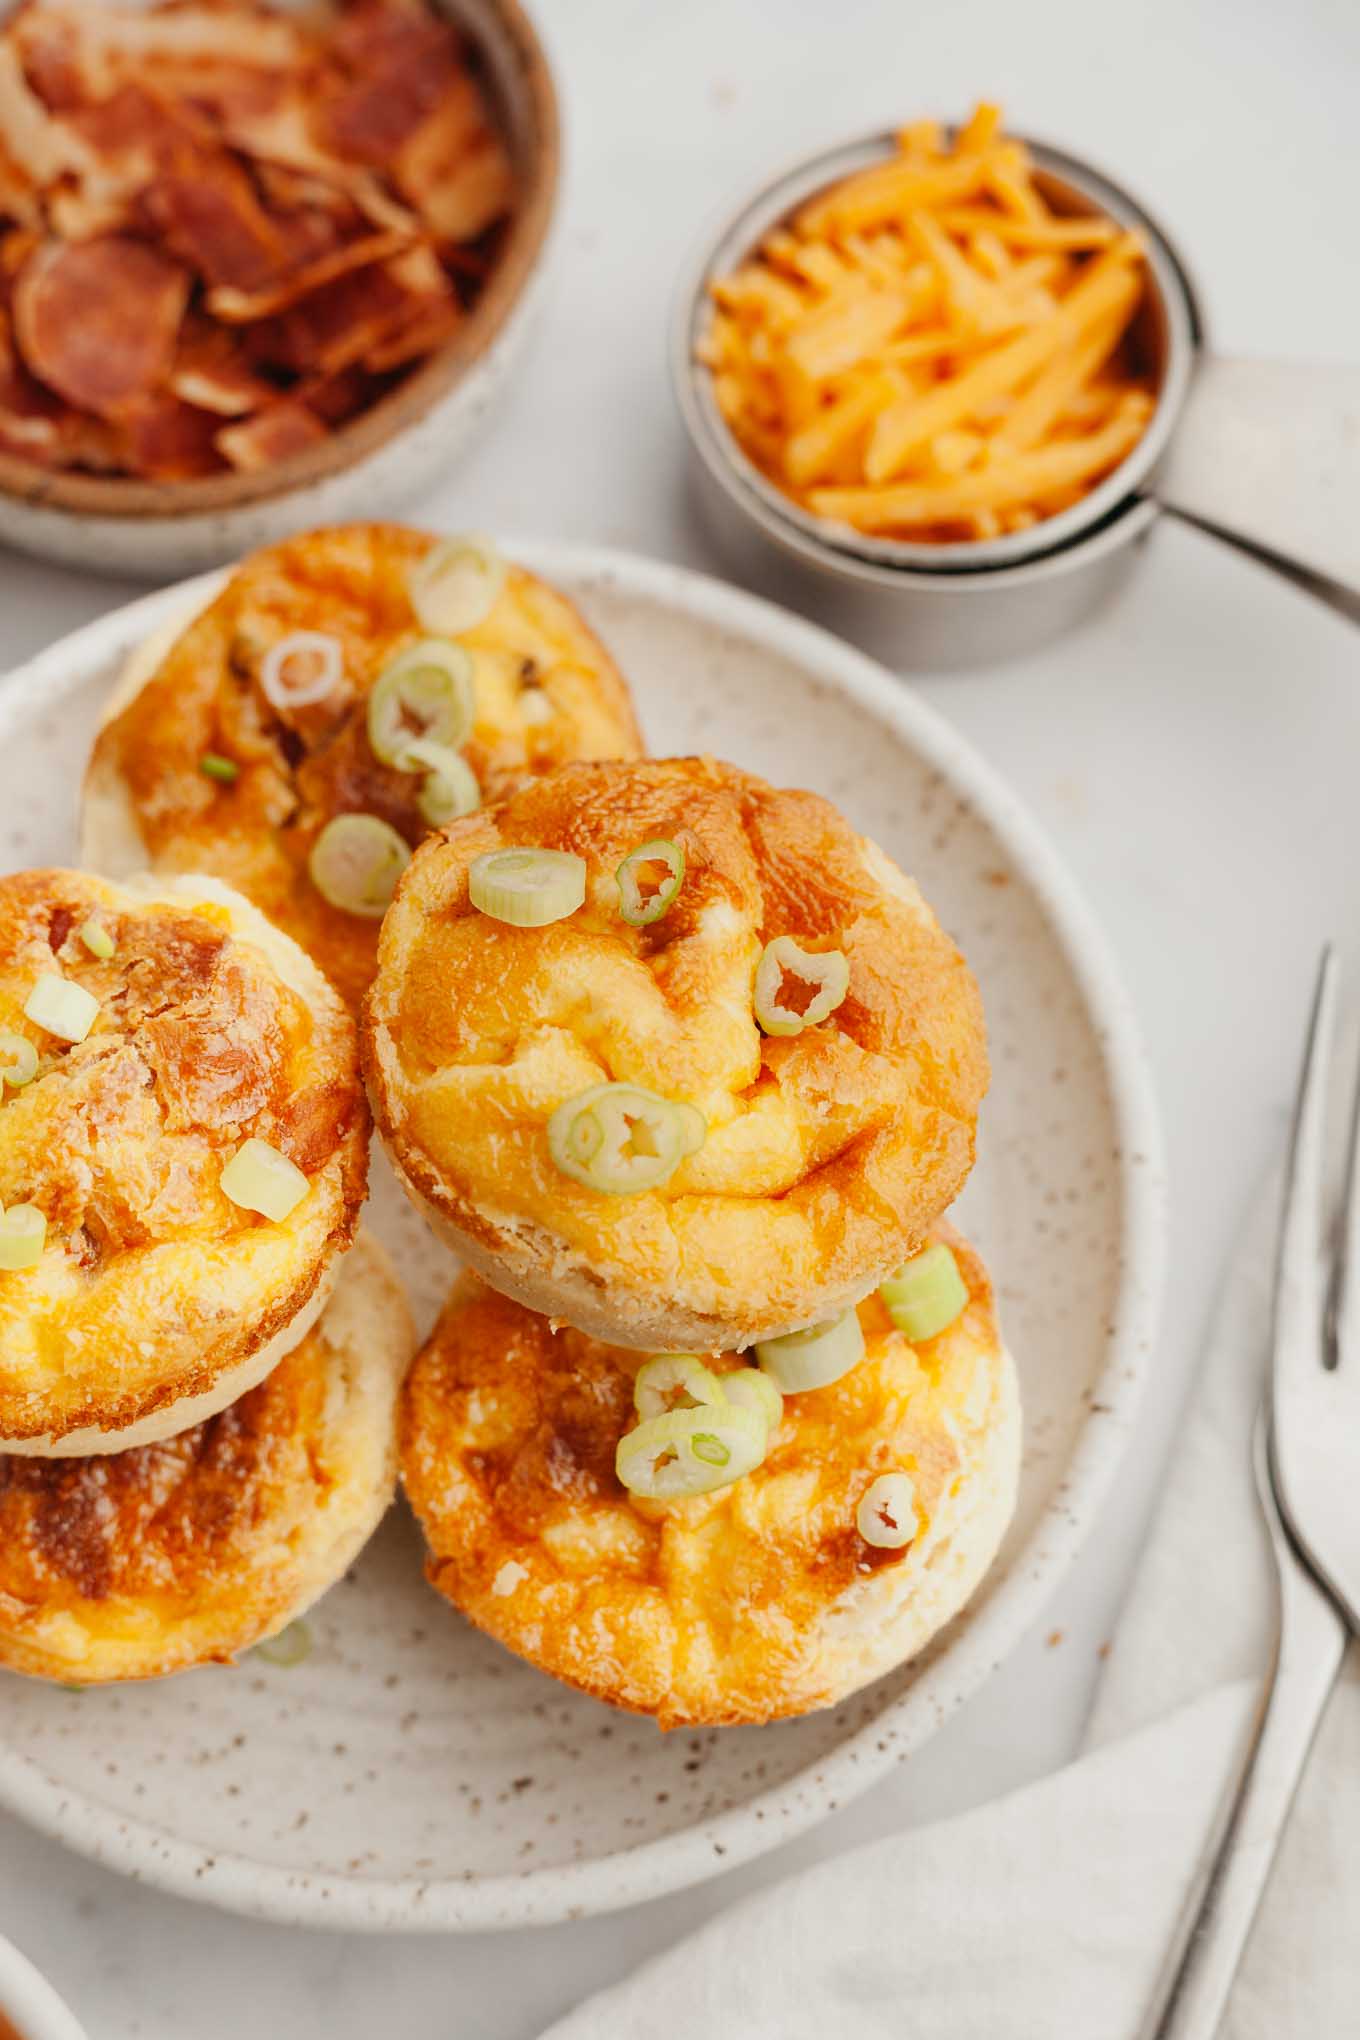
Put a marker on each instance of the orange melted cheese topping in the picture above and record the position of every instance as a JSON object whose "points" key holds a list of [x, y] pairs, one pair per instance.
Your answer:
{"points": [[152, 1281], [128, 1564], [720, 1607], [546, 691], [828, 1154]]}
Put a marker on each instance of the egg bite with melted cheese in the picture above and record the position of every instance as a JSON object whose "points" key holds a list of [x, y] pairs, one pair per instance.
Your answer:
{"points": [[231, 747], [621, 1125], [183, 1155], [755, 1600], [129, 1565]]}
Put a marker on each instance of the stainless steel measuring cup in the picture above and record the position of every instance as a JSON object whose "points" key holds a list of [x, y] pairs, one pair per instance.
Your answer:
{"points": [[1265, 455]]}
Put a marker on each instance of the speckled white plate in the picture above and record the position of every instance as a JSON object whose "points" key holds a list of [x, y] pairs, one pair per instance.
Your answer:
{"points": [[413, 1774]]}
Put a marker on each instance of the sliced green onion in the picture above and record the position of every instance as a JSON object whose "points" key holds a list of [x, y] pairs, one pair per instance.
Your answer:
{"points": [[674, 1381], [302, 669], [754, 1389], [618, 1138], [814, 1358], [449, 788], [259, 1178], [356, 862], [23, 1231], [97, 939], [225, 771], [926, 1294], [689, 1452], [693, 1125], [456, 586], [646, 891], [429, 690], [18, 1060], [584, 1136], [290, 1647], [63, 1008], [528, 888], [825, 973], [886, 1516]]}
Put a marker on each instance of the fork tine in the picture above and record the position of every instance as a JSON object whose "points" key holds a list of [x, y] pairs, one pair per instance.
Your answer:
{"points": [[1299, 1306], [1343, 1313]]}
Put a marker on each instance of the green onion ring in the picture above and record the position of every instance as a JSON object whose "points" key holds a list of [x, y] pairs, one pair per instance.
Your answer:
{"points": [[63, 1007], [637, 911], [449, 789], [642, 1139], [886, 1517], [674, 1381], [97, 938], [23, 1234], [259, 1178], [427, 691], [926, 1294], [458, 584], [355, 863], [527, 888], [754, 1389], [827, 969], [816, 1357], [18, 1060], [301, 670], [690, 1452], [291, 1646]]}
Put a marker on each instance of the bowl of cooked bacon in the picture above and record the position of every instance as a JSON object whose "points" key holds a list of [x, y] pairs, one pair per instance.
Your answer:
{"points": [[261, 265]]}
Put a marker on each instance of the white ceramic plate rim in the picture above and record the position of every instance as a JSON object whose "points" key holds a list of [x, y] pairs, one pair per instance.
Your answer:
{"points": [[28, 2000], [983, 1638]]}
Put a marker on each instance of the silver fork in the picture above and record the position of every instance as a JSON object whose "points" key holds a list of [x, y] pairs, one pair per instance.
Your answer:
{"points": [[1307, 1462]]}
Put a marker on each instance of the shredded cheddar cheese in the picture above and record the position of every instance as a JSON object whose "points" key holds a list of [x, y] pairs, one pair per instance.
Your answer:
{"points": [[928, 350]]}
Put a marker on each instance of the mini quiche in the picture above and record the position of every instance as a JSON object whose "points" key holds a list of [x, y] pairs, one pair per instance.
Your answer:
{"points": [[132, 1564], [672, 1054], [183, 1155], [345, 693], [691, 1541]]}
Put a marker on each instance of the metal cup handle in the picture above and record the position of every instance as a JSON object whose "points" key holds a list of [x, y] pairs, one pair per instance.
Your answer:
{"points": [[1266, 455]]}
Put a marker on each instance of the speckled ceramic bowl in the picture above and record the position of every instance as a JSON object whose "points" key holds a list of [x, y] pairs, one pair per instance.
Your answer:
{"points": [[411, 1773], [379, 460]]}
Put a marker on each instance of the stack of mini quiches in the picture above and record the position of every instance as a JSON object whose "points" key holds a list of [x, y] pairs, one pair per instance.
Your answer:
{"points": [[199, 1358], [198, 1366], [719, 1426]]}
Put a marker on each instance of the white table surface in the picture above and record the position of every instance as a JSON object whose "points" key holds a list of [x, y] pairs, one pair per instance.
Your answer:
{"points": [[1194, 753]]}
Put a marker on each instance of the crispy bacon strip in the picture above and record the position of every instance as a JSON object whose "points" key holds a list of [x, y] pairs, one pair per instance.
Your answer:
{"points": [[43, 148], [211, 219], [97, 320], [240, 307], [423, 333], [267, 41], [19, 199], [282, 138], [30, 417], [168, 440], [229, 226], [403, 63], [270, 436], [334, 398], [453, 169], [211, 373], [49, 50]]}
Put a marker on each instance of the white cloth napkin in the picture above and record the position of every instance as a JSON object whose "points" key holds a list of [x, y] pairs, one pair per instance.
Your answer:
{"points": [[1047, 1915]]}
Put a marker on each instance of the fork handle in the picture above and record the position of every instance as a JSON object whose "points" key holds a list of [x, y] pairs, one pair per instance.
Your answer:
{"points": [[1312, 1640]]}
